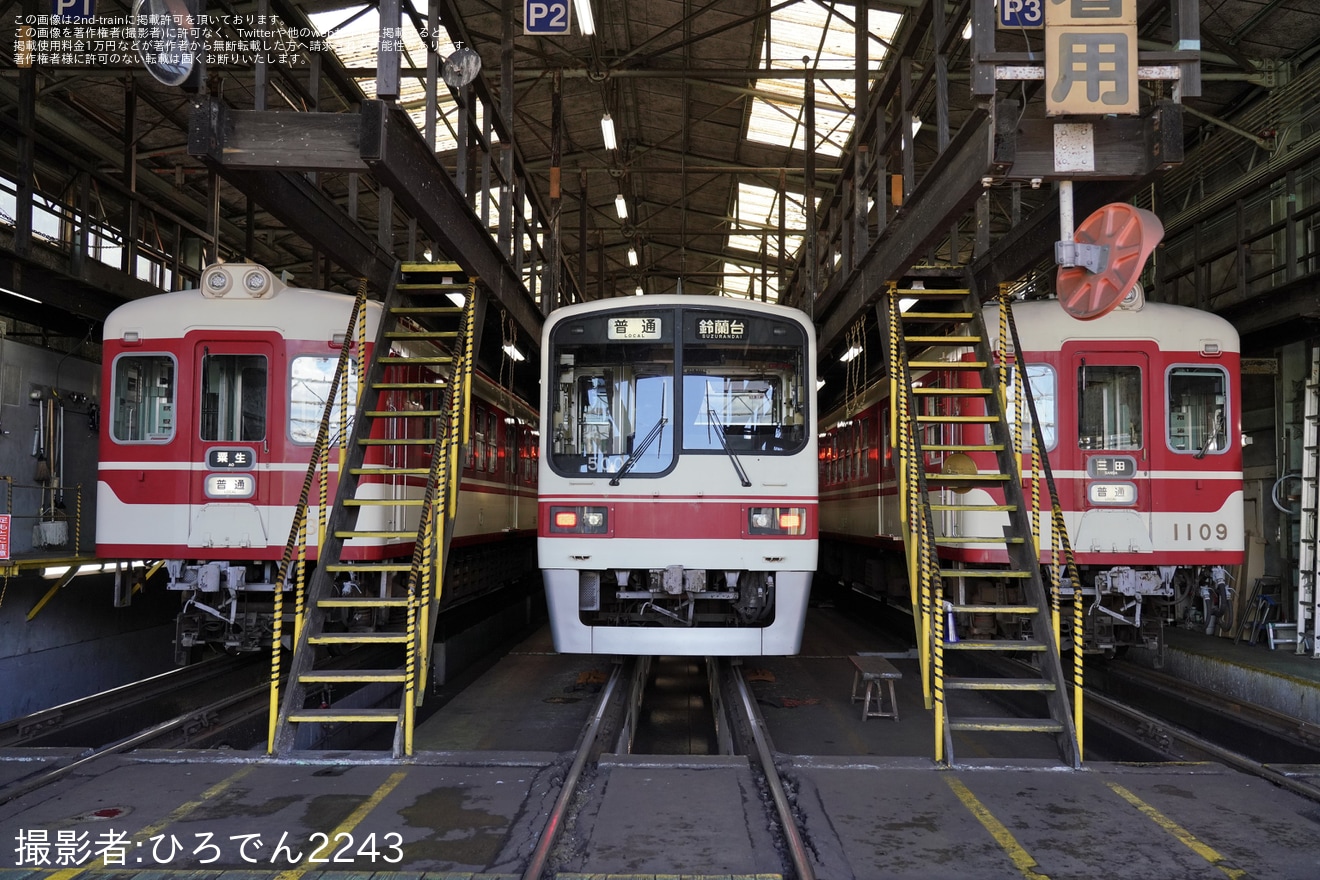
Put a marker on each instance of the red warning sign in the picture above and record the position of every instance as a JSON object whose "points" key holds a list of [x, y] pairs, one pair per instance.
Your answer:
{"points": [[1131, 234], [4, 536]]}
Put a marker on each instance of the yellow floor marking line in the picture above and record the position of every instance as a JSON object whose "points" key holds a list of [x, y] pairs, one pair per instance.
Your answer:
{"points": [[353, 820], [1183, 835], [1020, 857], [149, 831]]}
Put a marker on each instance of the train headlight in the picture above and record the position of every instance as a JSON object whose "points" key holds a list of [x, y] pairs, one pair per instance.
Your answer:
{"points": [[579, 520], [777, 521], [216, 281], [257, 282]]}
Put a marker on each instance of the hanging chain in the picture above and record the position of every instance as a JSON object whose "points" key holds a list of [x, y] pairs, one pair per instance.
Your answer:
{"points": [[856, 370], [508, 341]]}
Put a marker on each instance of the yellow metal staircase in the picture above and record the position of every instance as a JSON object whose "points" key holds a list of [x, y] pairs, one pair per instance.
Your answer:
{"points": [[939, 417], [398, 488]]}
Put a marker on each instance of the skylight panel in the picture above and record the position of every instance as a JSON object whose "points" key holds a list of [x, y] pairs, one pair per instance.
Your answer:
{"points": [[828, 38], [758, 209], [354, 42]]}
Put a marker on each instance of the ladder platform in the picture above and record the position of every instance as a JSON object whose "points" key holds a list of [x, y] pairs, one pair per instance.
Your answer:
{"points": [[382, 502], [1007, 725], [951, 392], [957, 420], [403, 565], [943, 340], [398, 441], [1005, 508], [406, 386], [347, 534], [404, 413], [345, 715], [416, 361], [448, 311], [932, 292], [978, 539], [421, 334], [936, 316], [390, 471], [962, 447], [965, 478], [997, 684]]}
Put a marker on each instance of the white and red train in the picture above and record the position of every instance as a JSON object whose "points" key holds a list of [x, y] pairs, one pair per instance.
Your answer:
{"points": [[1139, 411], [678, 476], [213, 400]]}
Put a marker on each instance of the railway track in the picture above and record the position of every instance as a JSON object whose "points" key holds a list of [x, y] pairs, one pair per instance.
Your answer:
{"points": [[616, 724]]}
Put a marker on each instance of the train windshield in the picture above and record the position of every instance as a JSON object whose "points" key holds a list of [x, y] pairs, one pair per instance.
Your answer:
{"points": [[1198, 410], [309, 389], [233, 397], [144, 398], [613, 401], [742, 383]]}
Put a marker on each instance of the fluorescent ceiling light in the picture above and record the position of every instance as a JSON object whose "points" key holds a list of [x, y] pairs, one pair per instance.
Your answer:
{"points": [[916, 125], [457, 299], [632, 256], [639, 290], [621, 206], [967, 30], [851, 353], [19, 295], [512, 351], [586, 23], [607, 132]]}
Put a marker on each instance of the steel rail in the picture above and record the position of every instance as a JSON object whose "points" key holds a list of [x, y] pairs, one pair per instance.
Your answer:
{"points": [[1233, 759], [555, 823], [20, 788], [796, 848]]}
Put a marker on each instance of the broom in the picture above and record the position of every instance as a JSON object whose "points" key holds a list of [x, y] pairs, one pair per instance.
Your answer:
{"points": [[43, 466]]}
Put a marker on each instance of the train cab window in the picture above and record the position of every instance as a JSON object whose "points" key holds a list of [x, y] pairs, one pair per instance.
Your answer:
{"points": [[612, 401], [309, 388], [743, 383], [492, 441], [1109, 407], [233, 397], [479, 441], [144, 401], [1044, 384], [1198, 410]]}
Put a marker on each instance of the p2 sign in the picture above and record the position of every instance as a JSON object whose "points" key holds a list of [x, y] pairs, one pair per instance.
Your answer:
{"points": [[544, 17]]}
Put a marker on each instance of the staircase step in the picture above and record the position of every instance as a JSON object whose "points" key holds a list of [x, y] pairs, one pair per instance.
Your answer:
{"points": [[363, 601], [405, 413], [994, 609], [932, 293], [1007, 725], [947, 365], [452, 311], [416, 361], [974, 507], [383, 502], [390, 471], [997, 684], [398, 441], [407, 386], [962, 447], [965, 478], [937, 316], [978, 539], [353, 676], [938, 419], [364, 638], [994, 645], [943, 340], [421, 334], [983, 572], [347, 534], [936, 391], [345, 715], [369, 566]]}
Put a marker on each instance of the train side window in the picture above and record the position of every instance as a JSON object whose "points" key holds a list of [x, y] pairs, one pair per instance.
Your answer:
{"points": [[492, 440], [1198, 409], [479, 441], [1044, 384], [309, 390], [233, 397], [144, 399], [1109, 407]]}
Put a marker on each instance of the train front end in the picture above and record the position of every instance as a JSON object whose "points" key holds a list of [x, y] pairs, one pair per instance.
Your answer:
{"points": [[677, 509]]}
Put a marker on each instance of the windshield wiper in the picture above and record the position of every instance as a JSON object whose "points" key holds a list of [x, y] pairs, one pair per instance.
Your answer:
{"points": [[637, 453], [724, 441]]}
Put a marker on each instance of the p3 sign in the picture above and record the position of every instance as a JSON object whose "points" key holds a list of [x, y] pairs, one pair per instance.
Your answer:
{"points": [[1022, 13], [545, 17]]}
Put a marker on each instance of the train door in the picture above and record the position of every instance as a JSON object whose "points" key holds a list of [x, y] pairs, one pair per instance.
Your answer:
{"points": [[1113, 440], [232, 439]]}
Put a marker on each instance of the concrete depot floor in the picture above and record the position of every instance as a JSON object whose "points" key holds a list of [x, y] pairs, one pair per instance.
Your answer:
{"points": [[870, 801]]}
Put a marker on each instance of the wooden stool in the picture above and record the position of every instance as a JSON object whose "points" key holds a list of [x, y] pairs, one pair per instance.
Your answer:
{"points": [[873, 670]]}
